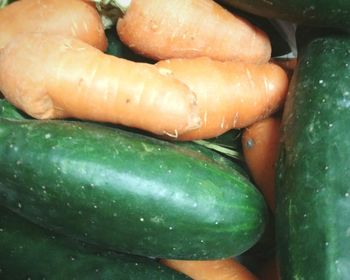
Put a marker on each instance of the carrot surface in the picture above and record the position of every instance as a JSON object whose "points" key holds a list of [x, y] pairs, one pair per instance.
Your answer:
{"points": [[191, 28], [228, 269], [260, 144], [79, 81], [230, 94], [67, 17]]}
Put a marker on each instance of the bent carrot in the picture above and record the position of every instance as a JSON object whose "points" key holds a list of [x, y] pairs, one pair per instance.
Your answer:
{"points": [[228, 269], [53, 76], [161, 29], [260, 143], [230, 94], [67, 17]]}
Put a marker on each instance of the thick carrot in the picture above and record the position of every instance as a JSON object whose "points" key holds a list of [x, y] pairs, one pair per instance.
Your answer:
{"points": [[190, 28], [230, 94], [260, 144], [67, 17], [228, 269], [54, 76]]}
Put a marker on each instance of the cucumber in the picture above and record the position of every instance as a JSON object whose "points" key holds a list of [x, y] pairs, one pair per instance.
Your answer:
{"points": [[127, 192], [9, 111], [31, 252], [321, 13], [313, 170]]}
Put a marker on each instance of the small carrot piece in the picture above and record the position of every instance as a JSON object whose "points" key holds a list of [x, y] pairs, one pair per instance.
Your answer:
{"points": [[54, 76], [230, 94], [227, 269], [161, 29], [67, 17], [260, 143]]}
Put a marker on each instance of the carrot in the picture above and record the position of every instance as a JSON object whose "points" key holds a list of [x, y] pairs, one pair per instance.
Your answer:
{"points": [[288, 64], [161, 29], [67, 17], [260, 144], [230, 94], [228, 269], [54, 76]]}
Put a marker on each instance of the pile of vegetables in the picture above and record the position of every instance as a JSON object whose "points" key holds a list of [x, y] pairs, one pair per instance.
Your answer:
{"points": [[151, 139]]}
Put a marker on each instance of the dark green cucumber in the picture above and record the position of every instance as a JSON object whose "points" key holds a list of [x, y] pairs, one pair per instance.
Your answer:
{"points": [[8, 111], [334, 13], [313, 181], [31, 252], [127, 192]]}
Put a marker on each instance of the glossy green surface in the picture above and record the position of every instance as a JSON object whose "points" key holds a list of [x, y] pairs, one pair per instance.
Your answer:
{"points": [[313, 182], [31, 252], [7, 110], [334, 13], [127, 192]]}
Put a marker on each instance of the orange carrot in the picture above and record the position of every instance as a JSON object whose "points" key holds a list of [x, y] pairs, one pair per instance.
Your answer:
{"points": [[260, 144], [54, 76], [190, 28], [228, 269], [288, 64], [230, 94], [67, 17]]}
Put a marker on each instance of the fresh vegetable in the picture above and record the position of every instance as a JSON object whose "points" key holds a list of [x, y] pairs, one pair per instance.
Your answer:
{"points": [[170, 29], [7, 110], [230, 94], [260, 143], [288, 64], [305, 34], [227, 269], [117, 48], [212, 149], [310, 12], [126, 191], [4, 3], [67, 17], [79, 81], [280, 46], [313, 201], [31, 252]]}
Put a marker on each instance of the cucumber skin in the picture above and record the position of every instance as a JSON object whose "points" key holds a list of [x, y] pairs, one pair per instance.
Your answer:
{"points": [[321, 13], [31, 252], [127, 192], [313, 170], [8, 111]]}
